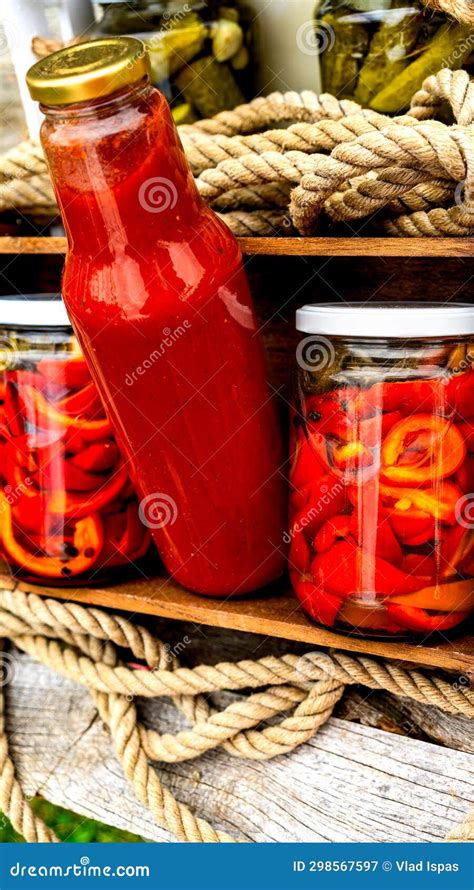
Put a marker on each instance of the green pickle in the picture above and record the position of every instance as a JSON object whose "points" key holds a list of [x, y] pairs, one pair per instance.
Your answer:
{"points": [[198, 51], [348, 42], [381, 51], [450, 47], [209, 86], [387, 56]]}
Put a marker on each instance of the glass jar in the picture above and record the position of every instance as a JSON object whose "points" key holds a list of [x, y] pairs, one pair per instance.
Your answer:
{"points": [[198, 51], [286, 45], [157, 293], [382, 472], [68, 512], [379, 52]]}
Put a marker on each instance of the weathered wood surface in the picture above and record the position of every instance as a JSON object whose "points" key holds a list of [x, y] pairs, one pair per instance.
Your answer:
{"points": [[330, 246], [350, 783], [409, 718]]}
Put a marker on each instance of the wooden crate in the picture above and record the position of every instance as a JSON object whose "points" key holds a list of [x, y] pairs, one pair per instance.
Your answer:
{"points": [[284, 273]]}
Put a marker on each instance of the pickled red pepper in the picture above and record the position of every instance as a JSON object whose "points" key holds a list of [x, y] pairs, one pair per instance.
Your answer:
{"points": [[67, 508], [380, 476]]}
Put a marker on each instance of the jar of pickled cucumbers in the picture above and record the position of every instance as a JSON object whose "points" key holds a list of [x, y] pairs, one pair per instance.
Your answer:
{"points": [[379, 52], [68, 512], [382, 469], [199, 51]]}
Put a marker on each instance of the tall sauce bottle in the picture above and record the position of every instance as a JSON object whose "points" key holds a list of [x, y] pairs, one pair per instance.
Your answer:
{"points": [[157, 294]]}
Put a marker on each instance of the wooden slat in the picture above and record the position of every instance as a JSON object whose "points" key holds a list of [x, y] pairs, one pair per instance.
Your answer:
{"points": [[355, 246], [349, 783], [275, 615], [319, 247]]}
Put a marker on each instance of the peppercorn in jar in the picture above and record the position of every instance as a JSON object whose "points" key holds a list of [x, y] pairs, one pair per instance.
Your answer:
{"points": [[382, 470], [68, 512]]}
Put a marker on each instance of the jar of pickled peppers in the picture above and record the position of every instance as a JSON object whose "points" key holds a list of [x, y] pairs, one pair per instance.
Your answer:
{"points": [[199, 50], [68, 512], [379, 52], [381, 527]]}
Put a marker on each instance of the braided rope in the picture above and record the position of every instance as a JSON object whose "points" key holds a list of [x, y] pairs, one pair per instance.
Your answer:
{"points": [[298, 692], [459, 9], [330, 160]]}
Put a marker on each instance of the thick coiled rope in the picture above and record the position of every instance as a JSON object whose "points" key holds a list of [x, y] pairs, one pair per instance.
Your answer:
{"points": [[296, 693], [298, 161]]}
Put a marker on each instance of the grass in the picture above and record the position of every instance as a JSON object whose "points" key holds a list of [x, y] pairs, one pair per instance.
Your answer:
{"points": [[68, 826]]}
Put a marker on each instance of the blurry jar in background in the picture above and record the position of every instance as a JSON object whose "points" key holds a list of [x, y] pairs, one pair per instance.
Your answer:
{"points": [[287, 47], [68, 512], [379, 52], [198, 51]]}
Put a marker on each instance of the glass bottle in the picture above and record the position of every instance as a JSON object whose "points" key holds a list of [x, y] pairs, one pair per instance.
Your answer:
{"points": [[155, 288]]}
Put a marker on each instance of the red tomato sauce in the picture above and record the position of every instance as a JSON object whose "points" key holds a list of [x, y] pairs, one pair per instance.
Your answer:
{"points": [[157, 294]]}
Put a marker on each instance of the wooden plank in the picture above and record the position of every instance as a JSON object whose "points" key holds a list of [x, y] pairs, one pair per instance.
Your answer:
{"points": [[318, 247], [28, 244], [355, 246], [276, 614], [349, 783], [406, 717]]}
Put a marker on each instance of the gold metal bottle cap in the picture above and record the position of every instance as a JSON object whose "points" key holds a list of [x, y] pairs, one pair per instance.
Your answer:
{"points": [[88, 71]]}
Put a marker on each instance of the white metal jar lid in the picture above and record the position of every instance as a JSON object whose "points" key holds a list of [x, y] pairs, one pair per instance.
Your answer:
{"points": [[33, 311], [386, 320]]}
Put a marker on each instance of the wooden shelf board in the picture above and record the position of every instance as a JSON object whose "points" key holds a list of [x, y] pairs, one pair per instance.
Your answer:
{"points": [[319, 247], [277, 614]]}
